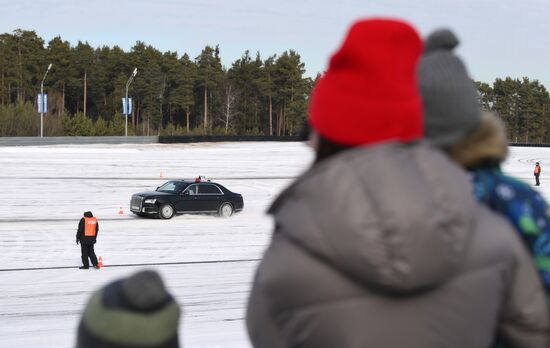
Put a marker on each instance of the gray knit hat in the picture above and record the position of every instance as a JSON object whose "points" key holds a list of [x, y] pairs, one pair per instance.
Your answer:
{"points": [[449, 96], [132, 312]]}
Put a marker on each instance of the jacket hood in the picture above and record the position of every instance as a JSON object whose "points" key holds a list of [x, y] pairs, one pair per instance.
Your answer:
{"points": [[88, 214], [393, 217], [487, 143]]}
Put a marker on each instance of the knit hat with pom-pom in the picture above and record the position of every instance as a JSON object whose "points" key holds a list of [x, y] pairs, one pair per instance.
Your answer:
{"points": [[449, 96]]}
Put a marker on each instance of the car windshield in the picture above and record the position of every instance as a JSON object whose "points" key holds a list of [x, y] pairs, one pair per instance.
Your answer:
{"points": [[172, 187]]}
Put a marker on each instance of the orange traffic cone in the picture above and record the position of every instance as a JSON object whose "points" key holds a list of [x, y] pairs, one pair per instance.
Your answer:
{"points": [[120, 211], [100, 262]]}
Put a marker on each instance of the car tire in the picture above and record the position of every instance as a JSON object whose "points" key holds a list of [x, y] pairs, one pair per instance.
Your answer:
{"points": [[226, 210], [166, 211]]}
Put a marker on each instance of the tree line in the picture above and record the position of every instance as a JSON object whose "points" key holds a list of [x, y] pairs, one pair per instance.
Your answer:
{"points": [[177, 95], [523, 105], [172, 94]]}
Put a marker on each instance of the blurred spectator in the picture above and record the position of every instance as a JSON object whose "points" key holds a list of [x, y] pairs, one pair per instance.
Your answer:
{"points": [[477, 141], [381, 243], [133, 312]]}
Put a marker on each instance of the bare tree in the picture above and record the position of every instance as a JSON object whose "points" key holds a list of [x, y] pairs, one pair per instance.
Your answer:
{"points": [[228, 110]]}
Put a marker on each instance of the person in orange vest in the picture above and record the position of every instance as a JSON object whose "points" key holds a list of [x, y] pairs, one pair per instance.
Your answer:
{"points": [[86, 235], [537, 174]]}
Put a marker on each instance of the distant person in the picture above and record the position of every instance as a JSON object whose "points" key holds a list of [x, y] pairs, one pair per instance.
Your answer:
{"points": [[381, 243], [537, 174], [133, 312], [477, 141], [86, 235]]}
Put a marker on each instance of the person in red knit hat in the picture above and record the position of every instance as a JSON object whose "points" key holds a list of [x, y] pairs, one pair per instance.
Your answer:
{"points": [[380, 243]]}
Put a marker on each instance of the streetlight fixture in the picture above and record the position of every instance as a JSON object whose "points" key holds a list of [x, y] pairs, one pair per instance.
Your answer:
{"points": [[134, 73], [42, 102]]}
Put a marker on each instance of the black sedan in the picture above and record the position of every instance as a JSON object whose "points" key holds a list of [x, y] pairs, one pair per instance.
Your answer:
{"points": [[184, 196]]}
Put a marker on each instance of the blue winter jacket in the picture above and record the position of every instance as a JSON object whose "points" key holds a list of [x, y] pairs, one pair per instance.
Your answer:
{"points": [[523, 207]]}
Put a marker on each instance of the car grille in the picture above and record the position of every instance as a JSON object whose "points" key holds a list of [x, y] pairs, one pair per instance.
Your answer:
{"points": [[136, 203]]}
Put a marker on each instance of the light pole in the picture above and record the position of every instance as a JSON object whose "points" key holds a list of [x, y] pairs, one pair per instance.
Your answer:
{"points": [[42, 101], [134, 73]]}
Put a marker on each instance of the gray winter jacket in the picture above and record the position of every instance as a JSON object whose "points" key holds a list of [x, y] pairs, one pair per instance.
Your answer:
{"points": [[385, 247]]}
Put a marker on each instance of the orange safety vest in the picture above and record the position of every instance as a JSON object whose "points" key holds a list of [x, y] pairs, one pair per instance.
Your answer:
{"points": [[90, 225], [537, 169]]}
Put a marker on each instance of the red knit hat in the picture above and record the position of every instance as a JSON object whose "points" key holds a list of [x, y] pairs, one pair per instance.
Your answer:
{"points": [[369, 93]]}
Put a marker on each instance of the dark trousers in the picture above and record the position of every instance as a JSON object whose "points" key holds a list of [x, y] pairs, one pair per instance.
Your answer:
{"points": [[537, 180], [88, 252]]}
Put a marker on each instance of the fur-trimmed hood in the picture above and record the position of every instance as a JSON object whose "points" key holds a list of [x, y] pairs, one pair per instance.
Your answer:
{"points": [[487, 143]]}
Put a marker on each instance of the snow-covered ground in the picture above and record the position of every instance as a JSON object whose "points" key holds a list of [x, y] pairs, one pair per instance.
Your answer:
{"points": [[207, 262]]}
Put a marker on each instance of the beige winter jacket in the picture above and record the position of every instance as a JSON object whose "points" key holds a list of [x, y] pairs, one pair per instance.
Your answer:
{"points": [[385, 247]]}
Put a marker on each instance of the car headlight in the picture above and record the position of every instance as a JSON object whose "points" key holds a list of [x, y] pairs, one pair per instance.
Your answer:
{"points": [[150, 201]]}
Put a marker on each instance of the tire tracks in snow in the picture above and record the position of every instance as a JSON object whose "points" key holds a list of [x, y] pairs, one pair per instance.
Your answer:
{"points": [[80, 178], [133, 265], [4, 221]]}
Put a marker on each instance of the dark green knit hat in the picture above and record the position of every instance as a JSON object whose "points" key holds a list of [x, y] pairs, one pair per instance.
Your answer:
{"points": [[132, 312]]}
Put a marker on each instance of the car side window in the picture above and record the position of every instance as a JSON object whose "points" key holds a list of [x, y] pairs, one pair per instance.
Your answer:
{"points": [[192, 189], [209, 189]]}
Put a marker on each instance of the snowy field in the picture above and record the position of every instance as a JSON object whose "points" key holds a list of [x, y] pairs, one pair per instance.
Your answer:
{"points": [[207, 262]]}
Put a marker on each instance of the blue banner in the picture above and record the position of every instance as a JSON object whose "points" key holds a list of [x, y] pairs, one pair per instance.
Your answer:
{"points": [[129, 113], [40, 104]]}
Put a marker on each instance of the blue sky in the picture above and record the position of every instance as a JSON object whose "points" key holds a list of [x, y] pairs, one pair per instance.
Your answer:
{"points": [[498, 37]]}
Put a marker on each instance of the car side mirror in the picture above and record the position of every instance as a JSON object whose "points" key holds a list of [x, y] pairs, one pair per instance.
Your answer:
{"points": [[186, 193]]}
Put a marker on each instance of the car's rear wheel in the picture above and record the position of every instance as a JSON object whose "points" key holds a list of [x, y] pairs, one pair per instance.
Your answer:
{"points": [[166, 211], [226, 210]]}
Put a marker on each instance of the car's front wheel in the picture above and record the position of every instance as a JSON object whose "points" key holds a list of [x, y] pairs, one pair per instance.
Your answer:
{"points": [[226, 210], [166, 211]]}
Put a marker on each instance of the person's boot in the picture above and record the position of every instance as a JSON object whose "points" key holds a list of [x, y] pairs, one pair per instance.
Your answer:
{"points": [[83, 267]]}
